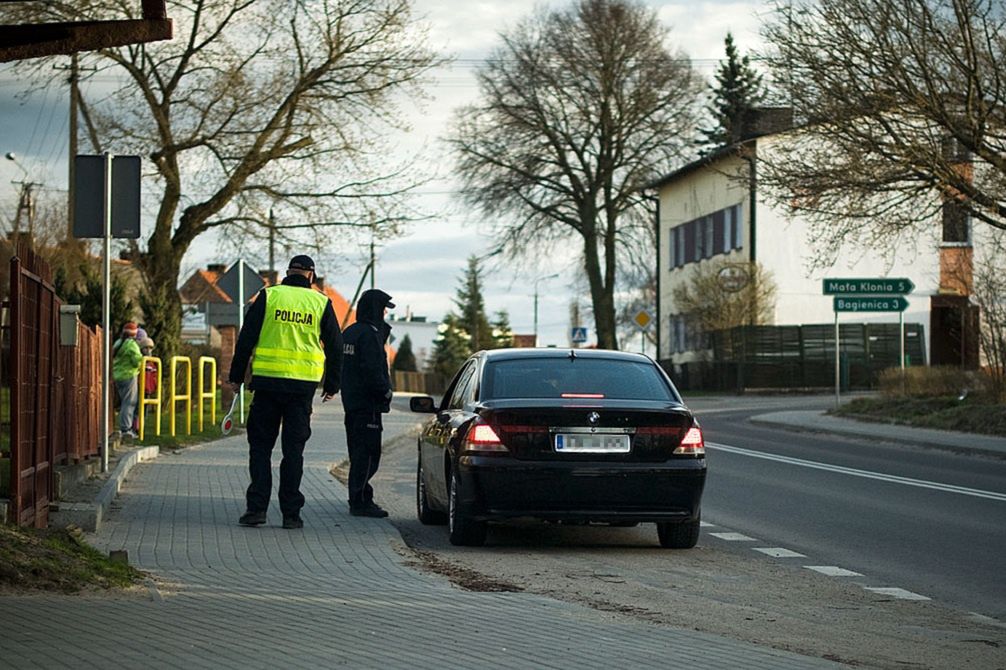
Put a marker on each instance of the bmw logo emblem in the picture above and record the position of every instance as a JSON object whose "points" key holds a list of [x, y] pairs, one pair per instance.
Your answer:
{"points": [[593, 418]]}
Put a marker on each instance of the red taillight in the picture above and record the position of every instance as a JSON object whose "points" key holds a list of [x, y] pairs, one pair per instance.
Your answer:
{"points": [[692, 443], [589, 396], [482, 437]]}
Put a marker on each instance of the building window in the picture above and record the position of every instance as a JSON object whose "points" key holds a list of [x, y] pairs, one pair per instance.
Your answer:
{"points": [[738, 226], [728, 232], [707, 236], [956, 223]]}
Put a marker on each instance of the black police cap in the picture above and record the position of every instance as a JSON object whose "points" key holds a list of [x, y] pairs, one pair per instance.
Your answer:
{"points": [[301, 262]]}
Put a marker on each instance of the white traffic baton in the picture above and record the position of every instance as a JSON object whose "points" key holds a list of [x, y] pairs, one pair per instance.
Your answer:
{"points": [[227, 424]]}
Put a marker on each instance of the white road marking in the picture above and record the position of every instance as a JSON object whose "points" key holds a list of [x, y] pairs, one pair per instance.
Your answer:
{"points": [[895, 593], [706, 524], [734, 537], [867, 474], [833, 571], [778, 552]]}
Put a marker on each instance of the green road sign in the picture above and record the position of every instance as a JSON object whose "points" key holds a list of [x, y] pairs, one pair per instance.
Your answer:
{"points": [[869, 286], [870, 304]]}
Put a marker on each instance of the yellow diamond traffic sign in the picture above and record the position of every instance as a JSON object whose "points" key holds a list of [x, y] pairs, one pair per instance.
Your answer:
{"points": [[643, 319]]}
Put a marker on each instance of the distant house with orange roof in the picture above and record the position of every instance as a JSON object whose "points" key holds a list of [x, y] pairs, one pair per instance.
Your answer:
{"points": [[212, 315]]}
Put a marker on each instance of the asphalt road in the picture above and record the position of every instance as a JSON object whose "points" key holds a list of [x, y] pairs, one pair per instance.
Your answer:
{"points": [[830, 501], [939, 535]]}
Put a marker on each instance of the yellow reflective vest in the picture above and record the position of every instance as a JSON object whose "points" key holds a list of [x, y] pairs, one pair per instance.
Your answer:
{"points": [[289, 344]]}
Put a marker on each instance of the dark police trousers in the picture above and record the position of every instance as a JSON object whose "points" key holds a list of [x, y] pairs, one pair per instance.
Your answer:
{"points": [[363, 435], [269, 411]]}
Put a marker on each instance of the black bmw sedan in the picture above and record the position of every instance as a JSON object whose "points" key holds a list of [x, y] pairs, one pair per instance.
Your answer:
{"points": [[561, 435]]}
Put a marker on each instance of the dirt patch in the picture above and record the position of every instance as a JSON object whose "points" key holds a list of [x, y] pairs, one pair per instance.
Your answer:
{"points": [[57, 560], [340, 471], [460, 576]]}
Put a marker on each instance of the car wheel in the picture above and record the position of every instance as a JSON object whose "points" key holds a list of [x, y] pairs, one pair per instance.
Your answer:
{"points": [[464, 531], [678, 535], [427, 515]]}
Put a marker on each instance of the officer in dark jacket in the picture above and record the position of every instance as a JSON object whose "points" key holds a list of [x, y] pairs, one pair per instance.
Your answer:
{"points": [[366, 394], [292, 336]]}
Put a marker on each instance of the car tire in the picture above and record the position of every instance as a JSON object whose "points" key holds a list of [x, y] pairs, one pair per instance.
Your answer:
{"points": [[426, 514], [464, 531], [678, 535]]}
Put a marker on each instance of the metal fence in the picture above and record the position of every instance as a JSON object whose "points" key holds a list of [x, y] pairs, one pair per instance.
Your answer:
{"points": [[799, 357], [54, 392]]}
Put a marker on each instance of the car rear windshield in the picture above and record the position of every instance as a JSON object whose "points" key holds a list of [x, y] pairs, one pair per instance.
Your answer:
{"points": [[574, 378]]}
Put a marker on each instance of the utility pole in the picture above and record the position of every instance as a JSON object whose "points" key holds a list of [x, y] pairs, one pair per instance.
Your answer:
{"points": [[272, 243], [74, 78], [373, 263], [74, 81]]}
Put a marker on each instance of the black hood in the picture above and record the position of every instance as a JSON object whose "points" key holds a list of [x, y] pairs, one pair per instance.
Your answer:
{"points": [[370, 307]]}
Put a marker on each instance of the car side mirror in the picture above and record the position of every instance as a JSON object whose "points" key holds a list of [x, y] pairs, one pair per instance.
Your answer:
{"points": [[422, 403]]}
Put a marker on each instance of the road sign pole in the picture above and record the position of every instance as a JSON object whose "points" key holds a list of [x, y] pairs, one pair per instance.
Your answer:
{"points": [[241, 323], [838, 369], [901, 339], [106, 317]]}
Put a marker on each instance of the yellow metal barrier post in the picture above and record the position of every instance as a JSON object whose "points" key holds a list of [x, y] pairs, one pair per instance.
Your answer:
{"points": [[154, 400], [177, 397], [211, 394]]}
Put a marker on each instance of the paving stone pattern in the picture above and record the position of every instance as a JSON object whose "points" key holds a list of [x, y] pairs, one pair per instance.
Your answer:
{"points": [[333, 594]]}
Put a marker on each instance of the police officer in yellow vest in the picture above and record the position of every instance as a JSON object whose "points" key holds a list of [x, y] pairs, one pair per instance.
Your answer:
{"points": [[292, 337]]}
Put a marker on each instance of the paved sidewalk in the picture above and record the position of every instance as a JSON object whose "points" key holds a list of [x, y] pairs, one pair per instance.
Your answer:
{"points": [[818, 421], [333, 594]]}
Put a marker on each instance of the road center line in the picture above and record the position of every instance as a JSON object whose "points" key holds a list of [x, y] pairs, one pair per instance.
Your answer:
{"points": [[866, 474]]}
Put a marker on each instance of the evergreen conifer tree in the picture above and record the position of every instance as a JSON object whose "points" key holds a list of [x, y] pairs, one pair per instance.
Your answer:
{"points": [[468, 330], [451, 348], [405, 360], [735, 96], [502, 333], [472, 309]]}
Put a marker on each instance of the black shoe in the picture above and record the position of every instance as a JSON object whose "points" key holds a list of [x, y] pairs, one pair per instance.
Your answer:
{"points": [[370, 509], [252, 519], [292, 522]]}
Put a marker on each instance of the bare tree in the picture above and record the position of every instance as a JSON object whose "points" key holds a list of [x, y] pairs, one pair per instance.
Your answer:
{"points": [[989, 292], [721, 295], [255, 104], [903, 109], [580, 108]]}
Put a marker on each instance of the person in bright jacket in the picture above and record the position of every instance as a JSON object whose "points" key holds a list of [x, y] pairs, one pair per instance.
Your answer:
{"points": [[366, 394], [292, 337], [125, 371]]}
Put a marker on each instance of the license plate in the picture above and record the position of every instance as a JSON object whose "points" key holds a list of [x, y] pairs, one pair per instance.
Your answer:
{"points": [[592, 443]]}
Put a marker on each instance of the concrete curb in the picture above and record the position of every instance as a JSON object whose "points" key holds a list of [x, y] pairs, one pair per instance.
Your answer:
{"points": [[89, 516], [818, 422]]}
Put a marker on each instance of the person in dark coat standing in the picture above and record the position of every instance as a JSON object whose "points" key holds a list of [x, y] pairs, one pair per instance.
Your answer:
{"points": [[366, 394], [291, 335]]}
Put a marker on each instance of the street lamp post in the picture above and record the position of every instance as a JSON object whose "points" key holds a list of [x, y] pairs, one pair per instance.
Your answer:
{"points": [[25, 201], [536, 281]]}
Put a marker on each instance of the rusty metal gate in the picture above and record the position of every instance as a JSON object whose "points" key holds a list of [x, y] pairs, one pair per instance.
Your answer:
{"points": [[34, 314]]}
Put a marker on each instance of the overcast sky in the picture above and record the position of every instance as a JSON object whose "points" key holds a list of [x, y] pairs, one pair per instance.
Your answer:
{"points": [[420, 269]]}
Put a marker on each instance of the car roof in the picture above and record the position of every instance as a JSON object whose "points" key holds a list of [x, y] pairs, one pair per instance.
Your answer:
{"points": [[551, 352]]}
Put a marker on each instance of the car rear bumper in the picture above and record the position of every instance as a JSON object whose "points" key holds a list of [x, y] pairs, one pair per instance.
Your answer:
{"points": [[499, 487]]}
